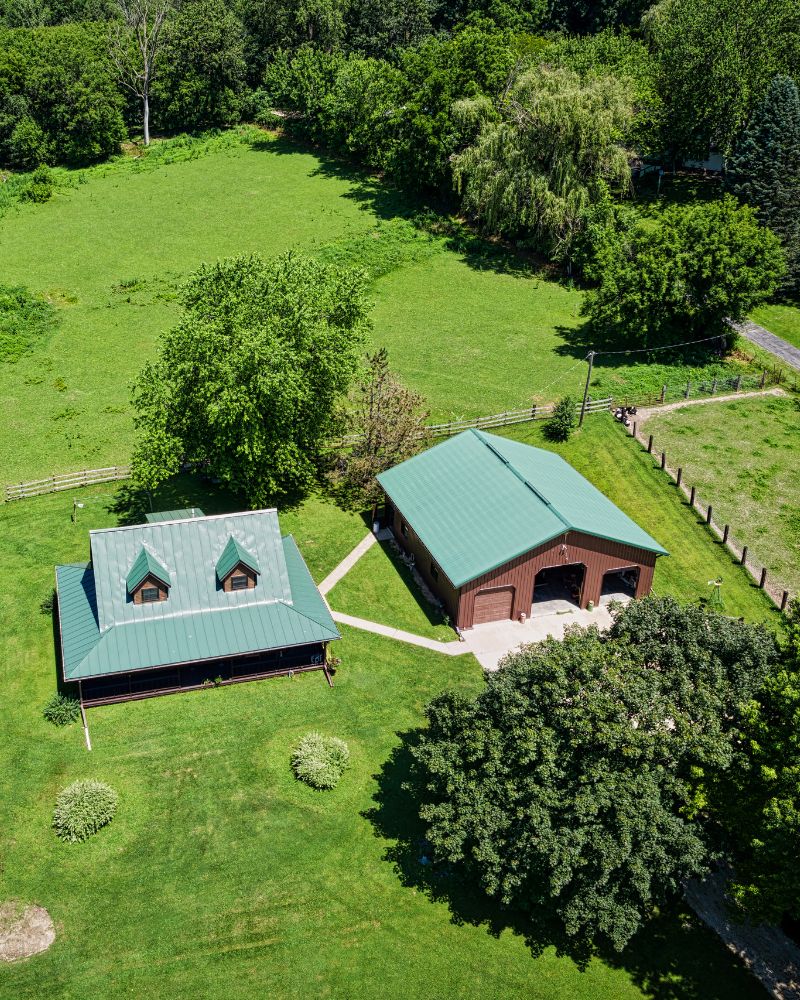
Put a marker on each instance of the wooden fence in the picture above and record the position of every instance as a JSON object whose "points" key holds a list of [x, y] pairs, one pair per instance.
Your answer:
{"points": [[711, 387], [741, 551], [67, 481]]}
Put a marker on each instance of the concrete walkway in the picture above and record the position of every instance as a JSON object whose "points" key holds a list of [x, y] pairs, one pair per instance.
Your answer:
{"points": [[346, 564], [448, 648], [775, 345]]}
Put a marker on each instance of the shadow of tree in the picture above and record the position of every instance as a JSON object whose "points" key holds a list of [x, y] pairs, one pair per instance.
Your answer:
{"points": [[673, 957]]}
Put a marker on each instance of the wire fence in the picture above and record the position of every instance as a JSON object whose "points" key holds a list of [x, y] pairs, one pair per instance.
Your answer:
{"points": [[740, 549], [705, 388]]}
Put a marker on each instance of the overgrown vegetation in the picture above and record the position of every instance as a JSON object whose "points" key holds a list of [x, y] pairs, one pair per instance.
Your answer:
{"points": [[24, 320], [83, 808]]}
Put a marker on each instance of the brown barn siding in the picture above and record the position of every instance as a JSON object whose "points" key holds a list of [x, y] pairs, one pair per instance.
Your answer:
{"points": [[442, 587]]}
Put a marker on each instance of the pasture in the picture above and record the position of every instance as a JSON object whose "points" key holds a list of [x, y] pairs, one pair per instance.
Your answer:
{"points": [[473, 328], [744, 458], [220, 874]]}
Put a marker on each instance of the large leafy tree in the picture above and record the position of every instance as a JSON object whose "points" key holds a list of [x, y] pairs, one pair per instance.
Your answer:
{"points": [[58, 99], [538, 162], [575, 781], [246, 385], [716, 59], [758, 800], [764, 170], [680, 279]]}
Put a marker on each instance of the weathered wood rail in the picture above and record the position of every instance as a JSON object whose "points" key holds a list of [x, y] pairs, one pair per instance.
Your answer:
{"points": [[66, 481]]}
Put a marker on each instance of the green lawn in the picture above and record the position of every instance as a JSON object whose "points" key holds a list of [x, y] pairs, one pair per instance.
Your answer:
{"points": [[221, 876], [473, 329], [744, 458], [380, 587], [620, 468], [782, 320]]}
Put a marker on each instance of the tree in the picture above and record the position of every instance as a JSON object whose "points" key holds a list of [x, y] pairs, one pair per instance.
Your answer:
{"points": [[135, 44], [562, 423], [757, 801], [537, 164], [389, 422], [764, 170], [202, 77], [247, 384], [575, 780], [716, 59], [683, 278], [58, 99]]}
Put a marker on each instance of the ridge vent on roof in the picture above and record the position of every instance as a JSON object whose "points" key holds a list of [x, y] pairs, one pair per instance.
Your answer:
{"points": [[513, 469]]}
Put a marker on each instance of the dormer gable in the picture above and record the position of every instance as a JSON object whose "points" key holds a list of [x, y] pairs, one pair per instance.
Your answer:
{"points": [[148, 580], [237, 569]]}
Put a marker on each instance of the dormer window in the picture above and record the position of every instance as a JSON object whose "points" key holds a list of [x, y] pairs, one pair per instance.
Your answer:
{"points": [[148, 579], [237, 569]]}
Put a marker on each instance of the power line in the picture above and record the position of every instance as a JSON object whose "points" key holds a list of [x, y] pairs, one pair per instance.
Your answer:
{"points": [[667, 347], [561, 377]]}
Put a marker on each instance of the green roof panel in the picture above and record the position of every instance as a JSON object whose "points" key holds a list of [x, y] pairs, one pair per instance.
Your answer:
{"points": [[478, 500], [173, 515]]}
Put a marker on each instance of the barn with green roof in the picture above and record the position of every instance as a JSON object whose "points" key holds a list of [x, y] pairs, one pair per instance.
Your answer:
{"points": [[497, 527], [185, 601]]}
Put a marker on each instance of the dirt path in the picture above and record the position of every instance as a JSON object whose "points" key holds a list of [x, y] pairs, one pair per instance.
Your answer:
{"points": [[643, 412]]}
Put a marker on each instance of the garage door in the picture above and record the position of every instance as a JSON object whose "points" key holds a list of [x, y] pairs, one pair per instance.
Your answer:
{"points": [[493, 605]]}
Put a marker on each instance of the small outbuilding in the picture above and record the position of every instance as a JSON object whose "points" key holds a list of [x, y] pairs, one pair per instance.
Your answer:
{"points": [[497, 528], [185, 601]]}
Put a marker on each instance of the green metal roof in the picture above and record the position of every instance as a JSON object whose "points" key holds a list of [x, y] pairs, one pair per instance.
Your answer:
{"points": [[173, 515], [284, 609], [234, 554], [478, 500], [146, 564]]}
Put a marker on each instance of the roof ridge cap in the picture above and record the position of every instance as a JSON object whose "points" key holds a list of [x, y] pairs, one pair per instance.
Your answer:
{"points": [[523, 479]]}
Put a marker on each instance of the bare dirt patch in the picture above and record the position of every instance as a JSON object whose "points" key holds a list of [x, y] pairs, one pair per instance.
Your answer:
{"points": [[24, 931]]}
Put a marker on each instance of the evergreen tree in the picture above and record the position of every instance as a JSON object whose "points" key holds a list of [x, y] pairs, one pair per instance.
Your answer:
{"points": [[765, 169]]}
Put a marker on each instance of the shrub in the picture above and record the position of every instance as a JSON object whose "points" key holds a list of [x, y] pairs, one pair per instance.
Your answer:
{"points": [[40, 187], [61, 710], [82, 808], [320, 760], [24, 319], [561, 424]]}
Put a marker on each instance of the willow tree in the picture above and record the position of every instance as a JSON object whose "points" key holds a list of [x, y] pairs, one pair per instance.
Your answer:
{"points": [[539, 159]]}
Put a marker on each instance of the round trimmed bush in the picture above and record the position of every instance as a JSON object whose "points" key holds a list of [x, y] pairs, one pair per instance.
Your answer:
{"points": [[61, 710], [82, 808], [320, 760]]}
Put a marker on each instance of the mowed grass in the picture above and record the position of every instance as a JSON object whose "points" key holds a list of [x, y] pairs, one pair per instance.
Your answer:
{"points": [[781, 319], [472, 328], [221, 875], [620, 468], [381, 588], [744, 459]]}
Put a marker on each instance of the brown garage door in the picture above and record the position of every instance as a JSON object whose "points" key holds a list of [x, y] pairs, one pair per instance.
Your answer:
{"points": [[493, 605]]}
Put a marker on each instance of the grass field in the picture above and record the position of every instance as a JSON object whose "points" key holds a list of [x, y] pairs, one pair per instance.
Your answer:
{"points": [[472, 328], [744, 458], [782, 320], [223, 877], [380, 587]]}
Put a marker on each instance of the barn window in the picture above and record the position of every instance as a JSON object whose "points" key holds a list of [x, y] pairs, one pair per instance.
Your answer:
{"points": [[434, 571], [150, 594], [239, 582], [404, 529]]}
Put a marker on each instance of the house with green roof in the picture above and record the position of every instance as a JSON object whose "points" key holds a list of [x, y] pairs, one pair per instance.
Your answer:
{"points": [[186, 600], [496, 527]]}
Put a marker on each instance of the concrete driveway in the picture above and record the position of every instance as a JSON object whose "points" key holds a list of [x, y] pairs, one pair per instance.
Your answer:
{"points": [[492, 641]]}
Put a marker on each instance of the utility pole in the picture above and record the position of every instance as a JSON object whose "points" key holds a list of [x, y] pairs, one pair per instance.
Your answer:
{"points": [[590, 359]]}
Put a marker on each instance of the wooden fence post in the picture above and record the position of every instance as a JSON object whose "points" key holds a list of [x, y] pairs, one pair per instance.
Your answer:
{"points": [[692, 495], [763, 579], [533, 412], [784, 600], [763, 378], [634, 428], [688, 390], [708, 515], [663, 460], [738, 382], [680, 477], [650, 445], [663, 393], [713, 387], [725, 533], [743, 560]]}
